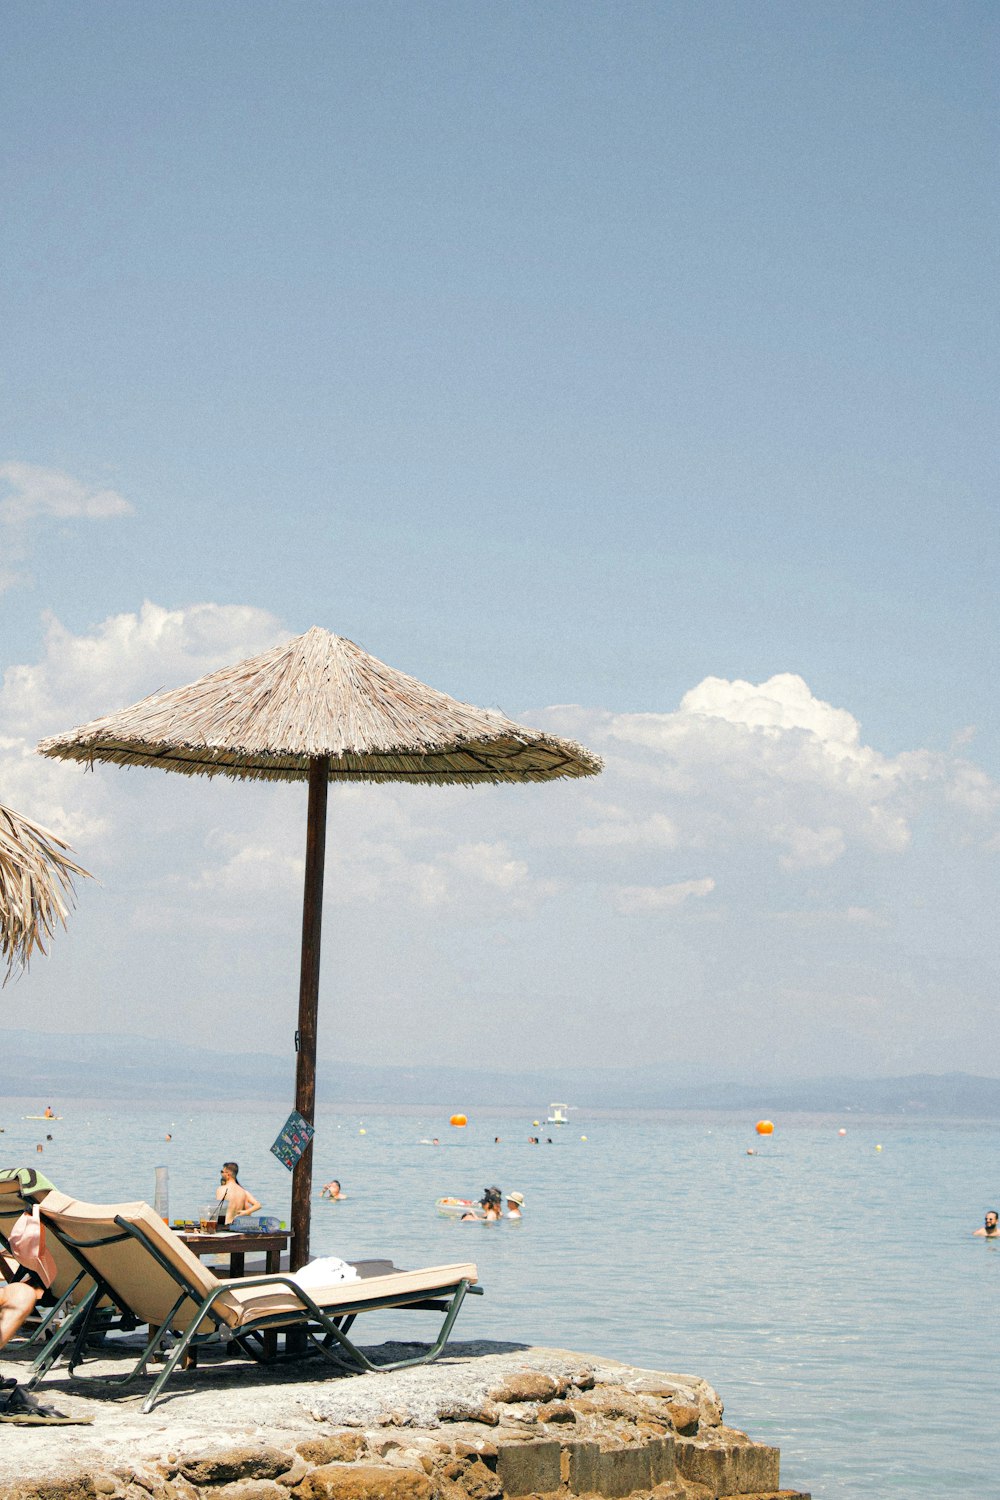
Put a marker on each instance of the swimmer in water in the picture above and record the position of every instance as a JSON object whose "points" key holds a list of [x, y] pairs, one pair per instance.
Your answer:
{"points": [[989, 1230], [488, 1208], [332, 1190]]}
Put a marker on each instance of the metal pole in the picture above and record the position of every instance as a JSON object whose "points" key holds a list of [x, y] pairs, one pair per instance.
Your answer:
{"points": [[305, 1061]]}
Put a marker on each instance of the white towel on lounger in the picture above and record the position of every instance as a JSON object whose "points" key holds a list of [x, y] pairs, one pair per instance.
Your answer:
{"points": [[323, 1271]]}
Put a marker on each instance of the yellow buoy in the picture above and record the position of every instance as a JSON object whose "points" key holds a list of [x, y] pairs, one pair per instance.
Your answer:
{"points": [[458, 1120], [583, 1137], [765, 1127], [362, 1131]]}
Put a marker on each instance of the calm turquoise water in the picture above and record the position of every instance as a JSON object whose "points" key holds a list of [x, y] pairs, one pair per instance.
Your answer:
{"points": [[831, 1292]]}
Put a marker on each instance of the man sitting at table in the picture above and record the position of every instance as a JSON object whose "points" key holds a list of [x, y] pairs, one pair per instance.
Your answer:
{"points": [[235, 1196]]}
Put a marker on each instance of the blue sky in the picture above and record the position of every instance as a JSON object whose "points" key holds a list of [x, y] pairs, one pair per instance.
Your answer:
{"points": [[568, 354]]}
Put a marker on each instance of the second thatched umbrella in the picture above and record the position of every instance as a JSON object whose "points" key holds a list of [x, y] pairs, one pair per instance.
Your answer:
{"points": [[319, 708], [36, 884]]}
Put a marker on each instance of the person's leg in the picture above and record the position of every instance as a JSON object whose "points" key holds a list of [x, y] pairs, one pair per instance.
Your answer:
{"points": [[17, 1301]]}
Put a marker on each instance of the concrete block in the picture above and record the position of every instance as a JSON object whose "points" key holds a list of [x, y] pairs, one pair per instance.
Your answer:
{"points": [[662, 1462], [621, 1471], [528, 1468], [583, 1459], [771, 1495], [729, 1463]]}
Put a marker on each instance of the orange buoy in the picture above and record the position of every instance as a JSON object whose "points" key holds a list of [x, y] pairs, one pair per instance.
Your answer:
{"points": [[765, 1127], [458, 1120]]}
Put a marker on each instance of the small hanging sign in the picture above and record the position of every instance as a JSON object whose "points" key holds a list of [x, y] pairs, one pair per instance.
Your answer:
{"points": [[293, 1138]]}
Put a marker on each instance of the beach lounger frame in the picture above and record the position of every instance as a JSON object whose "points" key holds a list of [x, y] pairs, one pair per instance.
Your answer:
{"points": [[14, 1201], [326, 1322]]}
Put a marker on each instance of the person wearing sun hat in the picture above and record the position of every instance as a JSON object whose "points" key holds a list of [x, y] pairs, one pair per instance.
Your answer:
{"points": [[515, 1202]]}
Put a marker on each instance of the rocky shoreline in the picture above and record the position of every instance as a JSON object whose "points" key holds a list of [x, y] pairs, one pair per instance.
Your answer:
{"points": [[486, 1421]]}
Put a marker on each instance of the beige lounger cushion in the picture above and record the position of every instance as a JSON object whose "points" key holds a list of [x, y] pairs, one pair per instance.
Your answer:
{"points": [[151, 1292], [262, 1302], [67, 1269], [148, 1290]]}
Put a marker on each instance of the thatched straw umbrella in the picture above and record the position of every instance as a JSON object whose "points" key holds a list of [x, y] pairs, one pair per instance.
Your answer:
{"points": [[36, 884], [319, 709]]}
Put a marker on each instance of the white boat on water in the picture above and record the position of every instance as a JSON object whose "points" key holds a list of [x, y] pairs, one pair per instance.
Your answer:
{"points": [[558, 1114]]}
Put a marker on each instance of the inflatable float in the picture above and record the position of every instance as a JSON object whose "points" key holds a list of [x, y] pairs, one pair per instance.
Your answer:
{"points": [[454, 1208], [461, 1208]]}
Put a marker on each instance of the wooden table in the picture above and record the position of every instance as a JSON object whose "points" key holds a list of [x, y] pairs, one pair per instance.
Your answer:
{"points": [[236, 1246]]}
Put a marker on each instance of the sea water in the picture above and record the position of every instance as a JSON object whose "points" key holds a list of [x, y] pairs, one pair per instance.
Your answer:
{"points": [[831, 1291]]}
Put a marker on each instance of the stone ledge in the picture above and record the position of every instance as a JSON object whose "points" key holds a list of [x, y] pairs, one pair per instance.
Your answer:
{"points": [[559, 1424]]}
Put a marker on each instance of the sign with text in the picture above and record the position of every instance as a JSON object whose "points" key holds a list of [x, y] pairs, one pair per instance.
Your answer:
{"points": [[293, 1138]]}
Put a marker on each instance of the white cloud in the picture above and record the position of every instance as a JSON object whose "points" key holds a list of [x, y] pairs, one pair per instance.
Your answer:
{"points": [[74, 807], [972, 790], [853, 916], [31, 495], [34, 491], [809, 847], [490, 863], [641, 900], [739, 775], [616, 827], [82, 677], [767, 765], [783, 702], [128, 656], [251, 870]]}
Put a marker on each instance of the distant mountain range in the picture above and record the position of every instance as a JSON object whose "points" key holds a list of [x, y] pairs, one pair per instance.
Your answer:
{"points": [[53, 1067]]}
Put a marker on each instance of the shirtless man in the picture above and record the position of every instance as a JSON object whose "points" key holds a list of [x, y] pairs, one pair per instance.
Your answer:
{"points": [[234, 1194], [989, 1229], [332, 1190]]}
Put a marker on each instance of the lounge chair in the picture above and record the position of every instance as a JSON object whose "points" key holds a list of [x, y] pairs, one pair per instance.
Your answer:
{"points": [[134, 1258], [20, 1189]]}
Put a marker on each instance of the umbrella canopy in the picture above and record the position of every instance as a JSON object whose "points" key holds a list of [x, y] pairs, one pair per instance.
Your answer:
{"points": [[321, 709], [320, 695], [36, 885]]}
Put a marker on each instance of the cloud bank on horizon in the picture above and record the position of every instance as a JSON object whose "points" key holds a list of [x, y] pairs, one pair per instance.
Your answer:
{"points": [[746, 811]]}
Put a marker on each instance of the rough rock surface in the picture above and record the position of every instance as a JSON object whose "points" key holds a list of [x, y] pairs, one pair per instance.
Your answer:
{"points": [[486, 1421]]}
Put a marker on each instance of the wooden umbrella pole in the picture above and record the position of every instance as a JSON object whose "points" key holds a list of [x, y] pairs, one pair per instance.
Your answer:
{"points": [[305, 1061]]}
